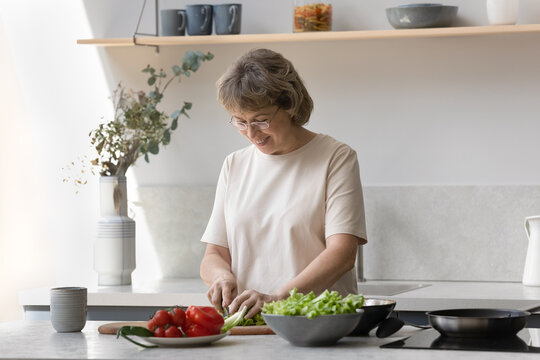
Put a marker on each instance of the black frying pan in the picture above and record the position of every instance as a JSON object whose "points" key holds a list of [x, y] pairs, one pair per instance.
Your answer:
{"points": [[478, 322]]}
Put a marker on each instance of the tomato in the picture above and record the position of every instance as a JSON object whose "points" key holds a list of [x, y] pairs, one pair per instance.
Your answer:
{"points": [[159, 331], [206, 317], [178, 316], [173, 332], [151, 324], [195, 330], [161, 318]]}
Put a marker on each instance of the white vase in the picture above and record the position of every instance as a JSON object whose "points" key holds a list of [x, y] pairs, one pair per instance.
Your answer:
{"points": [[502, 12], [114, 250]]}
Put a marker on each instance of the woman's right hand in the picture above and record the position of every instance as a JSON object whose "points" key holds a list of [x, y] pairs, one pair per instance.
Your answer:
{"points": [[222, 292]]}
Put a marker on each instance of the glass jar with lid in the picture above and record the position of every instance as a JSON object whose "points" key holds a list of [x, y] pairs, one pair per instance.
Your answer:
{"points": [[312, 16]]}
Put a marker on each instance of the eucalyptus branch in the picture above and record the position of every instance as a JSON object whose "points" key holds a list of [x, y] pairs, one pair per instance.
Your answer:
{"points": [[139, 127]]}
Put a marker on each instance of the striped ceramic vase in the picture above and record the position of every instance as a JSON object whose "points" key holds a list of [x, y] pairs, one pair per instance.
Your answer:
{"points": [[114, 249]]}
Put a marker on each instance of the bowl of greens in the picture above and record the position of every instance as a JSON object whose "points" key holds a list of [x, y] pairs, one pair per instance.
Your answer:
{"points": [[309, 320]]}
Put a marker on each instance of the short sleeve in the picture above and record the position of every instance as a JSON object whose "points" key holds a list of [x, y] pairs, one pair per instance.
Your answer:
{"points": [[216, 230], [344, 196]]}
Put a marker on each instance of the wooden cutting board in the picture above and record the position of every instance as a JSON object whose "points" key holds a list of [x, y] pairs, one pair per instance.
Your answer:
{"points": [[252, 330], [112, 328]]}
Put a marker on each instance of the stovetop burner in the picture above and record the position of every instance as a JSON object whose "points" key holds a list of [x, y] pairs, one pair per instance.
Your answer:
{"points": [[432, 339]]}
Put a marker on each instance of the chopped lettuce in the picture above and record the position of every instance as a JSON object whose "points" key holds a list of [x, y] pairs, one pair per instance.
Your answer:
{"points": [[256, 320], [327, 303]]}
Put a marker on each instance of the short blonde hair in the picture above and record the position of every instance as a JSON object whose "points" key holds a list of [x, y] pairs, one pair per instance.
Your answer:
{"points": [[262, 78]]}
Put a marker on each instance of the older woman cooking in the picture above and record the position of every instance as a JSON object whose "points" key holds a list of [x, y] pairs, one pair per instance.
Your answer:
{"points": [[288, 211]]}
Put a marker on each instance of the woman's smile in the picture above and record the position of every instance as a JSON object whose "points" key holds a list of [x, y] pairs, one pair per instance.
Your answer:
{"points": [[261, 142]]}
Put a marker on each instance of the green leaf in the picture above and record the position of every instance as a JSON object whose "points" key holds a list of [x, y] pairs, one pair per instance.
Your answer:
{"points": [[183, 111], [125, 331], [177, 70], [166, 137], [174, 124], [135, 330], [153, 148], [152, 80], [146, 157], [187, 105], [192, 60]]}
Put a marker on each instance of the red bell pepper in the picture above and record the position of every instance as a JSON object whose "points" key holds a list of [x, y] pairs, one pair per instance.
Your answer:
{"points": [[203, 321]]}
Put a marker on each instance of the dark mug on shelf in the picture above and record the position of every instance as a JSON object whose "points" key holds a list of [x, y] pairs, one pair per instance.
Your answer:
{"points": [[199, 19], [227, 18], [173, 22]]}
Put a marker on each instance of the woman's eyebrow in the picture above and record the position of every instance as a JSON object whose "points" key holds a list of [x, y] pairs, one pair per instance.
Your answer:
{"points": [[256, 115]]}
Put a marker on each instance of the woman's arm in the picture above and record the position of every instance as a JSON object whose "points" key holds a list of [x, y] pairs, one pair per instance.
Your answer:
{"points": [[216, 273], [327, 268]]}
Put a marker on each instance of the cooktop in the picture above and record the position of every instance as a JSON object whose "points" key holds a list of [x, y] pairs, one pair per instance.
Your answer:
{"points": [[431, 339]]}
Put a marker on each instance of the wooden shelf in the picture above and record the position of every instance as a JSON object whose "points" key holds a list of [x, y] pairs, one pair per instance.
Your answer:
{"points": [[316, 36]]}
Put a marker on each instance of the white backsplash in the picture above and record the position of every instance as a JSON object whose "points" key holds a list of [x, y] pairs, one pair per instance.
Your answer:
{"points": [[175, 218], [448, 232], [415, 232]]}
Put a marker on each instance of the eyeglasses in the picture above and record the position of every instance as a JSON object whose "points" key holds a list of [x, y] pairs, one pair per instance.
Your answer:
{"points": [[257, 125]]}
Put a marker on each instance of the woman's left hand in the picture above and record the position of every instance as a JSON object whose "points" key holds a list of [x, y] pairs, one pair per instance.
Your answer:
{"points": [[254, 301]]}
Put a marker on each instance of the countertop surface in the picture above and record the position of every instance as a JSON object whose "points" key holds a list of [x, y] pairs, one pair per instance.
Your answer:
{"points": [[38, 340], [424, 296]]}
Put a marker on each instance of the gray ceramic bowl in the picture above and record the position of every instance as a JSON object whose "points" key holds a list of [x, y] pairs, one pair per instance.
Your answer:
{"points": [[375, 311], [319, 331], [414, 16]]}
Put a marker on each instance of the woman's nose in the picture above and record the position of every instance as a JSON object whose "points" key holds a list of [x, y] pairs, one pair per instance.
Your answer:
{"points": [[251, 131]]}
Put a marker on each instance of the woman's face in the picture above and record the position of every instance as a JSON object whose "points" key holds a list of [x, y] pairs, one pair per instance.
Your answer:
{"points": [[281, 136]]}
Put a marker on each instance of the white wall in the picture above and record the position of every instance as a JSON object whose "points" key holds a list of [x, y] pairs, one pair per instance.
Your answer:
{"points": [[452, 111], [20, 222]]}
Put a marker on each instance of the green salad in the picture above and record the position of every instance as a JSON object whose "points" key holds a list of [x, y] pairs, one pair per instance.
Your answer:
{"points": [[255, 320], [309, 305]]}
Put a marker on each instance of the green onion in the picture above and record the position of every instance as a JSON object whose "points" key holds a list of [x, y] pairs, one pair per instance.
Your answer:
{"points": [[233, 320]]}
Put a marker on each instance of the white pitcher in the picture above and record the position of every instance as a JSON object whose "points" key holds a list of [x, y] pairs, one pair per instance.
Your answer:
{"points": [[531, 273], [502, 12]]}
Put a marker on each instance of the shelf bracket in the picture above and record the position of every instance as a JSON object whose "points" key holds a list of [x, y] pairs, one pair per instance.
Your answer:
{"points": [[156, 13]]}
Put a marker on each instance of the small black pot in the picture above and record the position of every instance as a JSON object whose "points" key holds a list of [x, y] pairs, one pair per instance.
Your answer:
{"points": [[375, 311]]}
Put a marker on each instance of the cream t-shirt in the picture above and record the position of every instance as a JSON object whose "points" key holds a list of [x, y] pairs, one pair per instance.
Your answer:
{"points": [[274, 212]]}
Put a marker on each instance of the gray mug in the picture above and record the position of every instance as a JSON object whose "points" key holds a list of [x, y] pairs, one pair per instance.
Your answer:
{"points": [[199, 19], [173, 22], [227, 18], [68, 308]]}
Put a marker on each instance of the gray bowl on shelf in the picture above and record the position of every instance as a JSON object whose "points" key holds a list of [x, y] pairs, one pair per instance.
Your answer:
{"points": [[414, 16], [320, 331]]}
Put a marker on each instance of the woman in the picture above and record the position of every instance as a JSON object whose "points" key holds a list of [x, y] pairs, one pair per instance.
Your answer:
{"points": [[288, 211]]}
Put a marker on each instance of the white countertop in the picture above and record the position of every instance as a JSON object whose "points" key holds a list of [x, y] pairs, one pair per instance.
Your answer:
{"points": [[38, 340], [450, 294], [438, 295]]}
